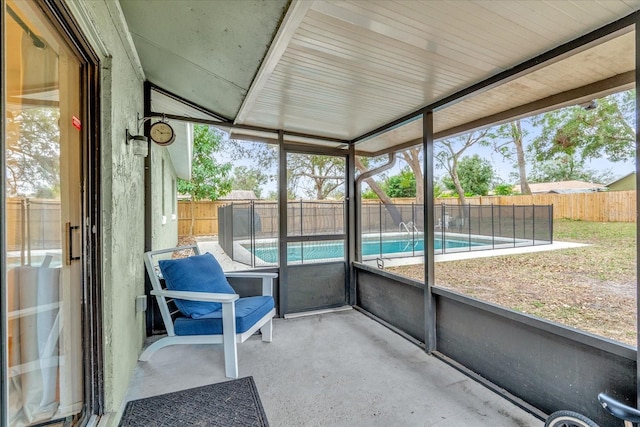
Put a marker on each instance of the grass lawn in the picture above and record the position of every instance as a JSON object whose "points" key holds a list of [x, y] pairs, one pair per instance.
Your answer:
{"points": [[592, 288]]}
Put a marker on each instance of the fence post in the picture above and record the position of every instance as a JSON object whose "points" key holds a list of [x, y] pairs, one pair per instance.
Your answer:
{"points": [[533, 224], [513, 221], [550, 208], [28, 235], [302, 231], [23, 230], [493, 230], [301, 221], [413, 231], [252, 229], [500, 219], [380, 228], [469, 227], [444, 225]]}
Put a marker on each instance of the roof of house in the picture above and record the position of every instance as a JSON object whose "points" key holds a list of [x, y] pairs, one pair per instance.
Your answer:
{"points": [[563, 187], [240, 195], [621, 178]]}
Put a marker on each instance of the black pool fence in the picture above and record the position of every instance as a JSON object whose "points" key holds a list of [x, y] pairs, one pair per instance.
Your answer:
{"points": [[249, 230]]}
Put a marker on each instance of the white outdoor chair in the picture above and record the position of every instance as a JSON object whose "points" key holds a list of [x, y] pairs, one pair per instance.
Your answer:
{"points": [[208, 309]]}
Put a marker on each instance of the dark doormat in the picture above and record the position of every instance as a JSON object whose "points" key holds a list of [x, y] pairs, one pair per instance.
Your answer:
{"points": [[231, 403]]}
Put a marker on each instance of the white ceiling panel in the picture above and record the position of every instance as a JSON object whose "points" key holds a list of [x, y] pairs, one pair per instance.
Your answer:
{"points": [[602, 69], [351, 66]]}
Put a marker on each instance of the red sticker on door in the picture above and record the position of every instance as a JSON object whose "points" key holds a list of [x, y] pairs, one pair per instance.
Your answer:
{"points": [[76, 122]]}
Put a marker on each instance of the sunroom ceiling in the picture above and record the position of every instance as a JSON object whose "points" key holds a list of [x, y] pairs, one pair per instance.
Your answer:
{"points": [[340, 69]]}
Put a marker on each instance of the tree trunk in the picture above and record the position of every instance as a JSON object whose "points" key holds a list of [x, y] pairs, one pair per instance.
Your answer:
{"points": [[396, 216], [516, 131], [459, 190], [412, 157]]}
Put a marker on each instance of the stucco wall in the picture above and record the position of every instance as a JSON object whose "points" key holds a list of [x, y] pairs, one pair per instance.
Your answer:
{"points": [[163, 235], [122, 194]]}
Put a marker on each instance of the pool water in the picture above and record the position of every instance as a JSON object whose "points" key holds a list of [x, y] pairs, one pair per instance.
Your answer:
{"points": [[320, 250]]}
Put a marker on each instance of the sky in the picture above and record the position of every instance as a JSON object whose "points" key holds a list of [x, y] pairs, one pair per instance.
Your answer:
{"points": [[502, 169]]}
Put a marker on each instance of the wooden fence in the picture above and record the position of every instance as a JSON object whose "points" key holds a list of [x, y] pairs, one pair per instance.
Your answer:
{"points": [[33, 224], [613, 206], [609, 206]]}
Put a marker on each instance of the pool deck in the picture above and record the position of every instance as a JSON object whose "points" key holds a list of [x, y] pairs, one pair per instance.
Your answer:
{"points": [[457, 256], [210, 244]]}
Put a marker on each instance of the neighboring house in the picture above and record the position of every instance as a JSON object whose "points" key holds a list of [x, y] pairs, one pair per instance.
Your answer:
{"points": [[627, 182], [563, 187]]}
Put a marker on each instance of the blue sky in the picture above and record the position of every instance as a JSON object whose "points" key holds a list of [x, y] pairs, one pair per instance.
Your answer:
{"points": [[502, 168]]}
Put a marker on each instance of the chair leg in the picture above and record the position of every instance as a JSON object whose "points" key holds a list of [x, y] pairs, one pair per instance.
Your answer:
{"points": [[267, 331], [229, 340], [230, 358]]}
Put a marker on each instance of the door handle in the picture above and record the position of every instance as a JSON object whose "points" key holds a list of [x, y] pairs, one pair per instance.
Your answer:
{"points": [[69, 229]]}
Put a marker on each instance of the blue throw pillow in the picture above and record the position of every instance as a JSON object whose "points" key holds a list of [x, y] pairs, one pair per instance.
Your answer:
{"points": [[200, 273]]}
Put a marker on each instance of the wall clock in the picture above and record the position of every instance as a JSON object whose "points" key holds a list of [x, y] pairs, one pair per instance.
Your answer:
{"points": [[162, 133]]}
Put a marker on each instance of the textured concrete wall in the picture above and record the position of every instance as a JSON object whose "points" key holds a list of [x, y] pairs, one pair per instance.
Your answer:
{"points": [[122, 194], [164, 203]]}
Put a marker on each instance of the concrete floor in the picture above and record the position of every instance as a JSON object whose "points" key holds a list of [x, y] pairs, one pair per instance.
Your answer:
{"points": [[337, 369]]}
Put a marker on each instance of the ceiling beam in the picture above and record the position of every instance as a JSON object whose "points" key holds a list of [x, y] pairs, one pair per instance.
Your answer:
{"points": [[288, 27], [182, 100], [600, 89]]}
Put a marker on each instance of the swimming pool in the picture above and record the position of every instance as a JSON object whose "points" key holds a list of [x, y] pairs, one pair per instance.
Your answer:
{"points": [[268, 252]]}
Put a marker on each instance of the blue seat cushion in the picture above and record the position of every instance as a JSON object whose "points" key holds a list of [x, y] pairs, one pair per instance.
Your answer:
{"points": [[199, 273], [248, 311]]}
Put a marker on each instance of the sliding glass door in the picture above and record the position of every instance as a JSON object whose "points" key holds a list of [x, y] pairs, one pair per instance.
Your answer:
{"points": [[43, 220]]}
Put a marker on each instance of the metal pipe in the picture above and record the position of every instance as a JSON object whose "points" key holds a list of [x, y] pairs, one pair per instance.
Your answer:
{"points": [[358, 205]]}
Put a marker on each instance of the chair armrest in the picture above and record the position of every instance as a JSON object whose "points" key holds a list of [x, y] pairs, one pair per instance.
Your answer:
{"points": [[197, 296], [249, 275], [267, 279]]}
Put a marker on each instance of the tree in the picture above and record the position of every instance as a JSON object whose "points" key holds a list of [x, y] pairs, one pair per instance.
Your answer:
{"points": [[606, 131], [509, 142], [413, 157], [449, 152], [249, 178], [401, 185], [503, 190], [259, 160], [209, 179], [33, 153], [564, 167], [317, 176], [314, 176], [475, 175], [369, 194]]}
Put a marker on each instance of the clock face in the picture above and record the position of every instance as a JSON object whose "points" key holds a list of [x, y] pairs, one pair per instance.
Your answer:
{"points": [[162, 133]]}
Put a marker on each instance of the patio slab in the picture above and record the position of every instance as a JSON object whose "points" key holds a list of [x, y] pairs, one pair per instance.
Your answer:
{"points": [[337, 369]]}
